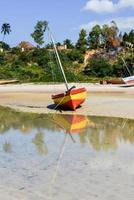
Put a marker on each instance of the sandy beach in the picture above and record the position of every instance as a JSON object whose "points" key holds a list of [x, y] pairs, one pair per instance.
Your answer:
{"points": [[102, 100]]}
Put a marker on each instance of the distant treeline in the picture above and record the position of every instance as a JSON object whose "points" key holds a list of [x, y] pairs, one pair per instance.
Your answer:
{"points": [[95, 54]]}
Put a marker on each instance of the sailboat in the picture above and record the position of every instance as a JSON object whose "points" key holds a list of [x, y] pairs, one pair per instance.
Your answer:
{"points": [[127, 81], [73, 97], [130, 79]]}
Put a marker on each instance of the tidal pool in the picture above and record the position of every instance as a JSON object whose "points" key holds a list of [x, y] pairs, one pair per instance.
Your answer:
{"points": [[65, 157]]}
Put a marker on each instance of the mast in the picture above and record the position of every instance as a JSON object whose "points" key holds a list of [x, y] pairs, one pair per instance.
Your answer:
{"points": [[126, 66], [59, 61]]}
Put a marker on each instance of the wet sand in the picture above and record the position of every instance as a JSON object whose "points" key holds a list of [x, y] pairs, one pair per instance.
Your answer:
{"points": [[102, 100]]}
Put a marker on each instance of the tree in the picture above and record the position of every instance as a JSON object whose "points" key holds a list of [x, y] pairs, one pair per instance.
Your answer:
{"points": [[81, 44], [49, 46], [114, 29], [110, 35], [105, 34], [128, 39], [94, 38], [58, 44], [5, 29], [125, 38], [4, 45], [68, 43], [38, 34], [131, 36]]}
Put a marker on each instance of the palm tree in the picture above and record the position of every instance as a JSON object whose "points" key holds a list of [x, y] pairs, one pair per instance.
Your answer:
{"points": [[5, 29]]}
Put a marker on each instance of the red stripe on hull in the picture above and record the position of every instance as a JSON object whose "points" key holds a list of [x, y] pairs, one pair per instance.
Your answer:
{"points": [[130, 82], [74, 91], [73, 104]]}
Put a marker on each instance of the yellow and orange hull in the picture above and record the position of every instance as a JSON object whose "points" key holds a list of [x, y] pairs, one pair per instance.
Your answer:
{"points": [[71, 99]]}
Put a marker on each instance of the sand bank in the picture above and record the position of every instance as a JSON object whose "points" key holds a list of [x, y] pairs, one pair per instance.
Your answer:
{"points": [[102, 100]]}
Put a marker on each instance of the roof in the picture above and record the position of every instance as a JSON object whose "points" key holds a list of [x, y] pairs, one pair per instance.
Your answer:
{"points": [[25, 45]]}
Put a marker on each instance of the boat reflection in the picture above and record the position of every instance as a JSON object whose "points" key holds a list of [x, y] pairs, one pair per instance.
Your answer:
{"points": [[99, 133], [72, 123]]}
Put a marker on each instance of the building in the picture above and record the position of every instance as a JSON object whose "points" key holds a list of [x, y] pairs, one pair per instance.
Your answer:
{"points": [[24, 45]]}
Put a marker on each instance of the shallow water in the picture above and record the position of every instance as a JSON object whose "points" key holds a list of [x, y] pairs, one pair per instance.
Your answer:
{"points": [[65, 157]]}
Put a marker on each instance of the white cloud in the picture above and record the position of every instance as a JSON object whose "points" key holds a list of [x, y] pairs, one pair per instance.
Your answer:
{"points": [[107, 6], [123, 23], [99, 6], [126, 3]]}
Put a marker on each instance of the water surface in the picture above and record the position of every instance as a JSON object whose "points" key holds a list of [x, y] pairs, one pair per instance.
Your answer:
{"points": [[66, 157]]}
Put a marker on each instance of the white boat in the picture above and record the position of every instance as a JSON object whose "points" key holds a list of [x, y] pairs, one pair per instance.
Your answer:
{"points": [[128, 80]]}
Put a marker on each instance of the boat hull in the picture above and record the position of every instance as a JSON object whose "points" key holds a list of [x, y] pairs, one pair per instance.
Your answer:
{"points": [[71, 99], [129, 80]]}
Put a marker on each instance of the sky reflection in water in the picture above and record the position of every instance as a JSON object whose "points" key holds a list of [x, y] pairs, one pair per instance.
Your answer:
{"points": [[99, 133], [47, 157]]}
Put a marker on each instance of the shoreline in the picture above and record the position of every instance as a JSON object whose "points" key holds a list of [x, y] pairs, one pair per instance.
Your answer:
{"points": [[102, 100], [91, 87]]}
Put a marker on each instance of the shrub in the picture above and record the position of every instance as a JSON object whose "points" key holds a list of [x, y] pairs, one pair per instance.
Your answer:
{"points": [[99, 68], [75, 55], [4, 45]]}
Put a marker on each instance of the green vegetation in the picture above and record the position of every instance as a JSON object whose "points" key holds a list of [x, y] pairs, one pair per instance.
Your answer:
{"points": [[95, 55], [68, 44], [38, 34], [101, 68], [94, 37], [4, 46], [128, 37], [81, 44], [98, 67]]}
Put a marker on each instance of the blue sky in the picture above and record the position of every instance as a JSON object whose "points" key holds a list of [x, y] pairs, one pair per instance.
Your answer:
{"points": [[66, 17]]}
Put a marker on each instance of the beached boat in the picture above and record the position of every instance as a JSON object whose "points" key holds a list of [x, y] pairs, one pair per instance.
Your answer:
{"points": [[2, 82], [73, 97], [129, 80], [113, 81], [126, 81]]}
